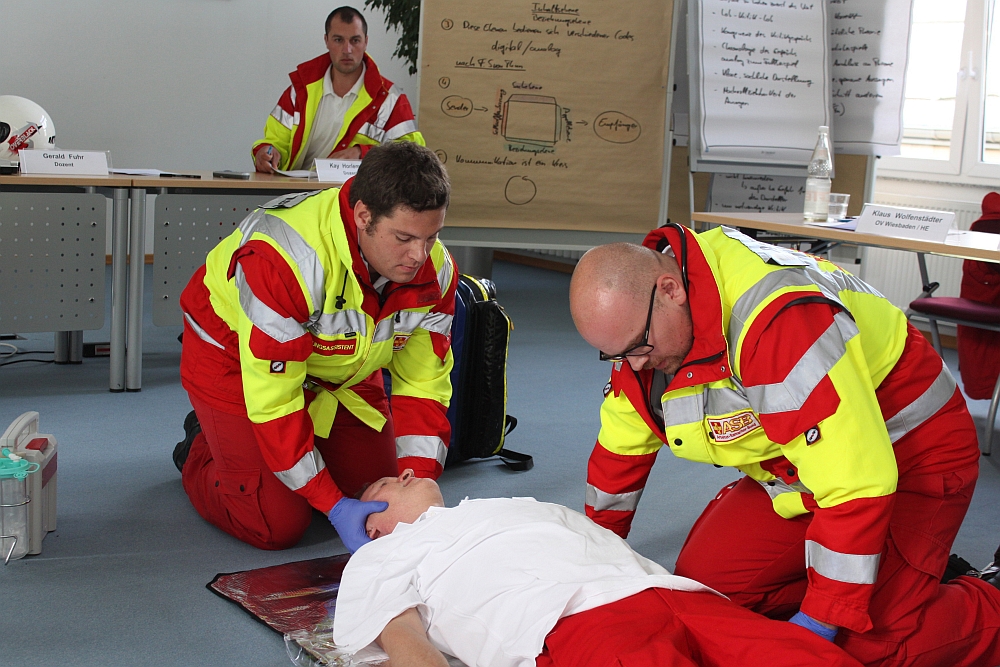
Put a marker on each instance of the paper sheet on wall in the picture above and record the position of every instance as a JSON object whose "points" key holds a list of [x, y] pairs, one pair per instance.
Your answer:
{"points": [[756, 193], [869, 43], [547, 115], [762, 79]]}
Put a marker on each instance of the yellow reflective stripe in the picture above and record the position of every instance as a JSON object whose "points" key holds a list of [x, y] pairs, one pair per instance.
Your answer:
{"points": [[202, 334], [422, 446], [621, 502], [791, 393], [924, 407], [847, 568], [300, 474], [303, 255], [262, 316]]}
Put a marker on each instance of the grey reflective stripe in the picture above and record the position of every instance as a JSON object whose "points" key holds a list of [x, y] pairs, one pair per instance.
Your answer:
{"points": [[683, 410], [399, 130], [810, 369], [310, 465], [372, 132], [445, 273], [622, 502], [384, 330], [281, 329], [202, 334], [714, 401], [423, 446], [777, 487], [283, 117], [340, 322], [724, 401], [289, 240], [848, 568], [924, 407], [407, 321], [439, 323]]}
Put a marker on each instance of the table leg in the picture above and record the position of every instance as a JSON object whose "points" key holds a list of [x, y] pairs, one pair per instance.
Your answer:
{"points": [[137, 261], [119, 287]]}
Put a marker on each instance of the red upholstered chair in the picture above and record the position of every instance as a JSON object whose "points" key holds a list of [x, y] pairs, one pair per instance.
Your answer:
{"points": [[977, 314]]}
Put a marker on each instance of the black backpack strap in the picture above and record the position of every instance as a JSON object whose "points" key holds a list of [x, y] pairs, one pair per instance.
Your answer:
{"points": [[515, 461]]}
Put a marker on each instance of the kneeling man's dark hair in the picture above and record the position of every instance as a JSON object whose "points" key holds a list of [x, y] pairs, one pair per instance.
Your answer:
{"points": [[400, 174]]}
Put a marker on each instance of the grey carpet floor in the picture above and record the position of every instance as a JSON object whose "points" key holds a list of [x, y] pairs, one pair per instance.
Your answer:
{"points": [[122, 580]]}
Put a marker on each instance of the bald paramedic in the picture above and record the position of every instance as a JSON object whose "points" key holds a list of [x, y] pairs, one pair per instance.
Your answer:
{"points": [[337, 106], [512, 582], [287, 328], [859, 454]]}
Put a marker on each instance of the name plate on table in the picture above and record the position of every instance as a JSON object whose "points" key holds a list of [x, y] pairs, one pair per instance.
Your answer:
{"points": [[905, 223], [79, 163], [336, 171]]}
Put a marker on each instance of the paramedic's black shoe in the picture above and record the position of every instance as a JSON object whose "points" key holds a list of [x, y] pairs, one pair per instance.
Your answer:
{"points": [[991, 573], [191, 429], [958, 566]]}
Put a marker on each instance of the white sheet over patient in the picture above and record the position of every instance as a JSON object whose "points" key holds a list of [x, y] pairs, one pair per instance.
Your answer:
{"points": [[490, 578]]}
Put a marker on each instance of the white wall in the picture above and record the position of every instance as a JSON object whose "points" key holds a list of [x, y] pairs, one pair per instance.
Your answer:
{"points": [[168, 84]]}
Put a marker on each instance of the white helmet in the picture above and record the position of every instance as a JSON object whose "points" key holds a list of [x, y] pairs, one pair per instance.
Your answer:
{"points": [[23, 124]]}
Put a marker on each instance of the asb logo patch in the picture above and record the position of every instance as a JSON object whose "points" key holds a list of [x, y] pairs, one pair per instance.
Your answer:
{"points": [[328, 348], [731, 428], [607, 389], [277, 366], [399, 341], [813, 435]]}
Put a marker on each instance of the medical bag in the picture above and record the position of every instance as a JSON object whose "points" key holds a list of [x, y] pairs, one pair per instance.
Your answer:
{"points": [[480, 332]]}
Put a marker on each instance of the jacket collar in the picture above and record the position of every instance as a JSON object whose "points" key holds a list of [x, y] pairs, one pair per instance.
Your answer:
{"points": [[708, 360], [315, 70]]}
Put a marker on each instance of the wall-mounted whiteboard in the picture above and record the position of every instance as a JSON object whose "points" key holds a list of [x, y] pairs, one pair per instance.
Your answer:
{"points": [[547, 115]]}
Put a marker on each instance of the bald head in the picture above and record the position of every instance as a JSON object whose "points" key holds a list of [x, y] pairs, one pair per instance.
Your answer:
{"points": [[610, 293]]}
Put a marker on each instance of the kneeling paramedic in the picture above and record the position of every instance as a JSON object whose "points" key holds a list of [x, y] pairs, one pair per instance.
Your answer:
{"points": [[859, 453], [287, 328]]}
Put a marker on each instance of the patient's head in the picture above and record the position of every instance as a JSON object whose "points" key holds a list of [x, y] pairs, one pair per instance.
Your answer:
{"points": [[408, 496]]}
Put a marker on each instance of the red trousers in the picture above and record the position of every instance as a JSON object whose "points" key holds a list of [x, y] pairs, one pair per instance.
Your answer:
{"points": [[664, 628], [232, 488], [740, 547]]}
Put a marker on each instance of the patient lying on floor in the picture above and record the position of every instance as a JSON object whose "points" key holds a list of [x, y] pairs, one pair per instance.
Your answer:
{"points": [[511, 581]]}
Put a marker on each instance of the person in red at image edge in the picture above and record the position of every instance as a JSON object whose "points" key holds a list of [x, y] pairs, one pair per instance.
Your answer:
{"points": [[287, 328], [338, 105], [859, 453]]}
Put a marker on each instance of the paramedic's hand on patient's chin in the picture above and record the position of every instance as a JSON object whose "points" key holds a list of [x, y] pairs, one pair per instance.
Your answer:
{"points": [[348, 516], [810, 623]]}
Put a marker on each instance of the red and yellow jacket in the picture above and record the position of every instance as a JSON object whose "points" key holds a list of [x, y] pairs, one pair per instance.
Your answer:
{"points": [[282, 321], [801, 376], [381, 114]]}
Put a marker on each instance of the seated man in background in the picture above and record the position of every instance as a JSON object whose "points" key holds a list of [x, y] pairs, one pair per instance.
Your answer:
{"points": [[338, 105], [512, 581]]}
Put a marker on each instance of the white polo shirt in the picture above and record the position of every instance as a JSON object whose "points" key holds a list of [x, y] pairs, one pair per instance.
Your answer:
{"points": [[490, 578], [329, 119]]}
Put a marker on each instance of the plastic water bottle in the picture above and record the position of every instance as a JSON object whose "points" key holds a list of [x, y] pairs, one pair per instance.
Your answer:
{"points": [[817, 206]]}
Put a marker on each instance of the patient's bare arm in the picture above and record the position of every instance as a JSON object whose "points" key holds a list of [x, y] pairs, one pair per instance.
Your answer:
{"points": [[405, 640]]}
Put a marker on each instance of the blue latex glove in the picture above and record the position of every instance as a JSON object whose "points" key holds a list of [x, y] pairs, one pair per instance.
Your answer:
{"points": [[809, 623], [348, 516]]}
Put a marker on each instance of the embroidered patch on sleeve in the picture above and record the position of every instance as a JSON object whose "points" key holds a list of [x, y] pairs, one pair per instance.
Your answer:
{"points": [[726, 429], [399, 341]]}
